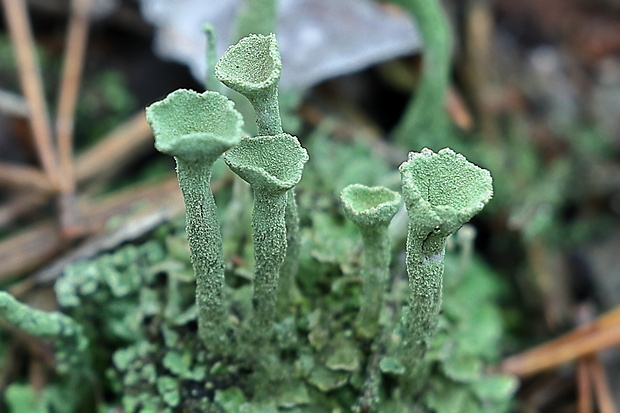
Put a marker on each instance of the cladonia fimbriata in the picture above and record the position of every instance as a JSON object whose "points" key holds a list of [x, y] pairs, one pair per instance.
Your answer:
{"points": [[441, 191]]}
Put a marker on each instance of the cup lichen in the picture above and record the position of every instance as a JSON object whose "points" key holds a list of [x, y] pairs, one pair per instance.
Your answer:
{"points": [[441, 191], [272, 165], [253, 68], [196, 128], [371, 209]]}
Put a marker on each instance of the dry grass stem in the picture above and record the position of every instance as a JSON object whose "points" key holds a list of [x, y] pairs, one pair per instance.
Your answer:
{"points": [[584, 387], [19, 176], [588, 339], [32, 85], [75, 51]]}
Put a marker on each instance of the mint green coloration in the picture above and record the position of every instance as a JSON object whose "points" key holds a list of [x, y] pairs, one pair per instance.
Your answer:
{"points": [[256, 16], [211, 82], [168, 388], [272, 165], [69, 338], [371, 209], [273, 348], [253, 68], [196, 129], [425, 116], [287, 289], [441, 192]]}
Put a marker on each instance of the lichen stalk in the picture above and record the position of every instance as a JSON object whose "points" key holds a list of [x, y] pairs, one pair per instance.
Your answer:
{"points": [[196, 128], [425, 266], [425, 114], [269, 235], [288, 272], [371, 209], [442, 191], [205, 245], [267, 111], [253, 68], [272, 165], [375, 272]]}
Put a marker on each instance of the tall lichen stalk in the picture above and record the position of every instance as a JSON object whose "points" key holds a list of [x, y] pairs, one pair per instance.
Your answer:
{"points": [[269, 229], [442, 191], [287, 288], [253, 68], [272, 165], [205, 243], [425, 117], [425, 266], [196, 129]]}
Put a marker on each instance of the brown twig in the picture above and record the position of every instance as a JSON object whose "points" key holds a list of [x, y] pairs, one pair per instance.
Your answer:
{"points": [[69, 87], [584, 387], [122, 144], [32, 85], [29, 249], [588, 339], [19, 176], [19, 205], [126, 141], [36, 245], [457, 109], [75, 51], [603, 395]]}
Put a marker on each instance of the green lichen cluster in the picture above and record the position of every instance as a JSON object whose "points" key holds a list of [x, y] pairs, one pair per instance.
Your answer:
{"points": [[305, 320]]}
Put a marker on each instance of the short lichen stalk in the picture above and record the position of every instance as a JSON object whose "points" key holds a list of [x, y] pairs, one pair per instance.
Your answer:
{"points": [[371, 209], [441, 191], [196, 129], [375, 272], [272, 165]]}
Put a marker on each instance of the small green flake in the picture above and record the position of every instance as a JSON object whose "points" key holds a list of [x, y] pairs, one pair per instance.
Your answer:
{"points": [[304, 365], [149, 373], [230, 399], [124, 357], [293, 393], [326, 380], [22, 398], [168, 389], [346, 356], [171, 337], [463, 368], [178, 363], [391, 365], [498, 387], [447, 397]]}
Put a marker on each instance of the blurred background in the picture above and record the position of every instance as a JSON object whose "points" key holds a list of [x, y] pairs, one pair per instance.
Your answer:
{"points": [[533, 95]]}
